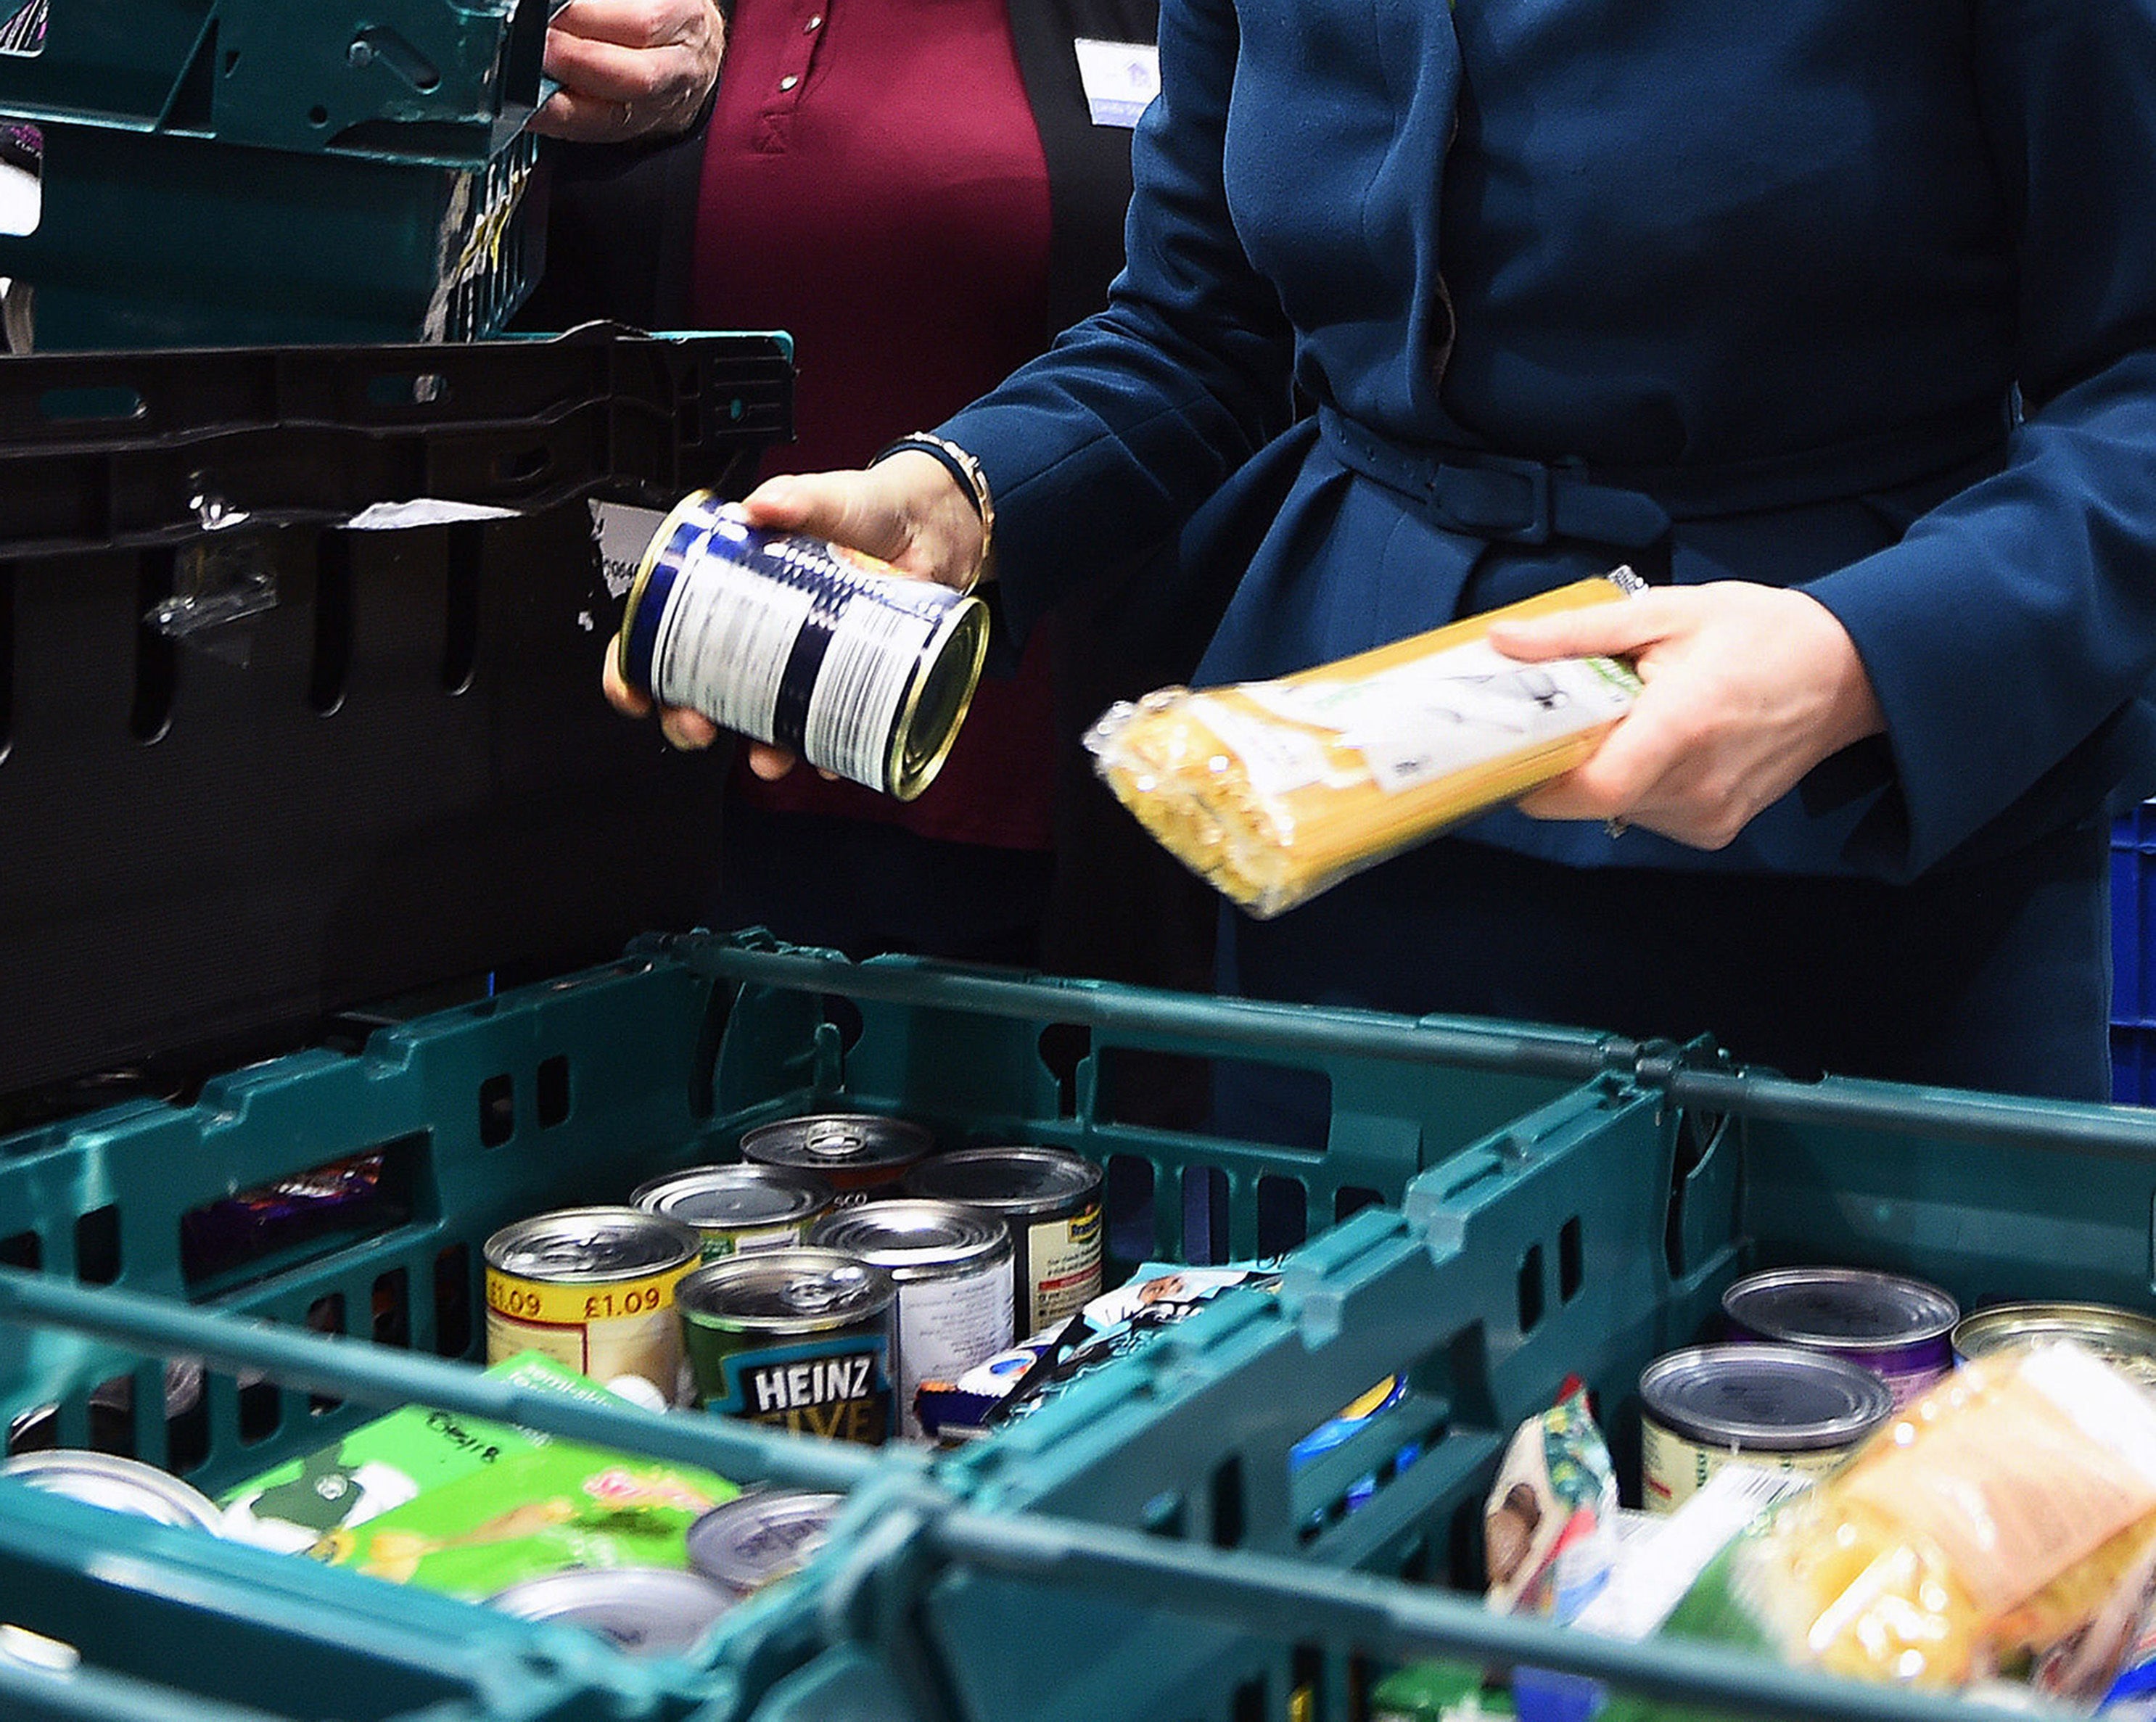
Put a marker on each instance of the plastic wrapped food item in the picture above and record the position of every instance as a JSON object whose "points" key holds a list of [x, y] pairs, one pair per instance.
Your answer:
{"points": [[1547, 1526], [1986, 1526], [1277, 791]]}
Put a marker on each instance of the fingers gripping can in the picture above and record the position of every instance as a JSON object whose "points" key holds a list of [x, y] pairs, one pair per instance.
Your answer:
{"points": [[791, 640]]}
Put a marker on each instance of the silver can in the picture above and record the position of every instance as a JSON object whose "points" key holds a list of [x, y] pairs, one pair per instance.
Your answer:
{"points": [[591, 1288], [1050, 1199], [1777, 1407], [760, 1536], [862, 1155], [124, 1485], [645, 1611], [2125, 1339], [1897, 1328], [740, 1209], [789, 639], [953, 1263]]}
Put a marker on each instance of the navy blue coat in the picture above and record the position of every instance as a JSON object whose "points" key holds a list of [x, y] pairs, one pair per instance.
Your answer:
{"points": [[1860, 297]]}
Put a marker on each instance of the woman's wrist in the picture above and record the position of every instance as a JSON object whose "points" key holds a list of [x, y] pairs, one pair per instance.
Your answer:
{"points": [[966, 473]]}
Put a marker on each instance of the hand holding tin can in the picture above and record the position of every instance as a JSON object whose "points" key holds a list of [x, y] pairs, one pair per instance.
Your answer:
{"points": [[799, 643]]}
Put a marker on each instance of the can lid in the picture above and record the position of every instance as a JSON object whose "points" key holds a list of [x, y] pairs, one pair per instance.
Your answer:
{"points": [[912, 1236], [2120, 1336], [1016, 1180], [646, 1611], [125, 1485], [726, 1195], [760, 1536], [1775, 1398], [801, 1290], [1839, 1306], [581, 1244], [838, 1141]]}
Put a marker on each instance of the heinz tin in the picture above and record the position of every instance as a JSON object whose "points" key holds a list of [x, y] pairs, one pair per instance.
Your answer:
{"points": [[645, 1611], [591, 1288], [860, 1154], [1050, 1199], [1897, 1328], [760, 1535], [799, 1339], [1776, 1408], [739, 1208], [952, 1265], [792, 640]]}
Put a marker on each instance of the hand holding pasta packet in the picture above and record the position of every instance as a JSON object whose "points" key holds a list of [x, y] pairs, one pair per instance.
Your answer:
{"points": [[1276, 791]]}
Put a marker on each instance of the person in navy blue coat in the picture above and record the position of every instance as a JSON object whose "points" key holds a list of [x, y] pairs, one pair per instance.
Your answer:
{"points": [[1836, 321]]}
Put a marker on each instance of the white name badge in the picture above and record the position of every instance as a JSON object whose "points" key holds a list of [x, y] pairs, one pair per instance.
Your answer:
{"points": [[1120, 78]]}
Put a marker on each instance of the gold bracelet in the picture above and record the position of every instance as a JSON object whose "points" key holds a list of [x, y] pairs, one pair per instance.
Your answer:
{"points": [[971, 479]]}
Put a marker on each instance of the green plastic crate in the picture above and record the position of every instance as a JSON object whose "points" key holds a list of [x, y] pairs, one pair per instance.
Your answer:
{"points": [[160, 239], [444, 81], [1148, 1540], [571, 1091]]}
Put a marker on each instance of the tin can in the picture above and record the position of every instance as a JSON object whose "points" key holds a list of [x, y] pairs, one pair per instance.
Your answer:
{"points": [[591, 1288], [2121, 1337], [952, 1265], [799, 1339], [1899, 1329], [760, 1536], [738, 1209], [1777, 1407], [125, 1485], [1050, 1199], [645, 1611], [795, 641], [859, 1153]]}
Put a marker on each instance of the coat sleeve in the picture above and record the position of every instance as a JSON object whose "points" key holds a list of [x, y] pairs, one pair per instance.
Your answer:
{"points": [[2011, 634], [1099, 451]]}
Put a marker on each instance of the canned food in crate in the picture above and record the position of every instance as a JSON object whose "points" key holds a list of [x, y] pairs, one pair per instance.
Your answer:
{"points": [[953, 1268], [2121, 1337], [645, 1611], [738, 1209], [1050, 1199], [125, 1485], [760, 1536], [591, 1288], [858, 1153], [1776, 1408], [799, 1339], [788, 639], [1897, 1328]]}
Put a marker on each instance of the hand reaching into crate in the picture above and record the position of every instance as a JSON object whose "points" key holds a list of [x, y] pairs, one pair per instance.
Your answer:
{"points": [[630, 69]]}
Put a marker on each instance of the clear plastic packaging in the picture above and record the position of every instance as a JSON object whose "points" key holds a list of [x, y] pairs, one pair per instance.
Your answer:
{"points": [[1276, 791]]}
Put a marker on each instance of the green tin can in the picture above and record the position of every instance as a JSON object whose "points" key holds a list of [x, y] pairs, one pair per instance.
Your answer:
{"points": [[797, 1338]]}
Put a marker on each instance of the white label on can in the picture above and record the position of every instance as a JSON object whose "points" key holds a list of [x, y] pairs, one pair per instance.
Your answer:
{"points": [[946, 1326], [866, 671], [727, 660], [1063, 1258], [1673, 1469]]}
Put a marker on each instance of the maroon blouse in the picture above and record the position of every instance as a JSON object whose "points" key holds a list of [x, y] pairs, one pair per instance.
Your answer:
{"points": [[874, 185]]}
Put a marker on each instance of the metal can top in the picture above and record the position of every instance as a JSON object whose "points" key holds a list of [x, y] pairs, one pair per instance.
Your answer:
{"points": [[760, 1536], [2121, 1337], [582, 1246], [1020, 1181], [916, 1239], [1772, 1398], [1830, 1308], [838, 1142], [646, 1611], [729, 1196], [785, 1291], [125, 1485]]}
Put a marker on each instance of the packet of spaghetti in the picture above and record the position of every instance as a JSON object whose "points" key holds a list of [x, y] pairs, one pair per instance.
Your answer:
{"points": [[1276, 791]]}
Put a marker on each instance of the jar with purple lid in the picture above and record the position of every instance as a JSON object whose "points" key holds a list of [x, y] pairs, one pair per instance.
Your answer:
{"points": [[1899, 1329]]}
